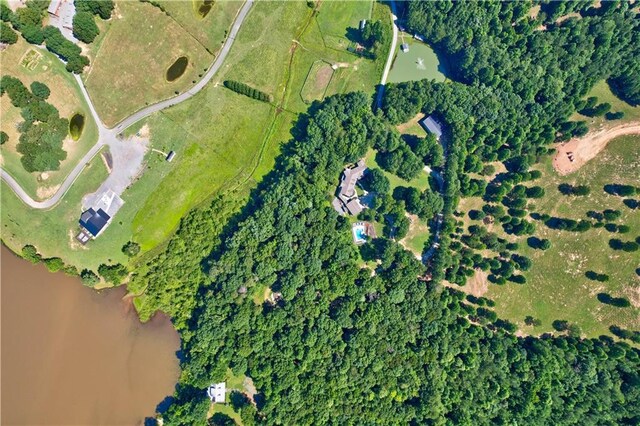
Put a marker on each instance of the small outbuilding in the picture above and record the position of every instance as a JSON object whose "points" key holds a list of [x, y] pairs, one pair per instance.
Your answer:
{"points": [[217, 392], [363, 24], [170, 156], [404, 47]]}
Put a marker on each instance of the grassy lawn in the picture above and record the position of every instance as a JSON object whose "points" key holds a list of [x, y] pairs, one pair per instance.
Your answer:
{"points": [[417, 236], [130, 62], [233, 382], [604, 94], [65, 96], [556, 285], [211, 30], [56, 228]]}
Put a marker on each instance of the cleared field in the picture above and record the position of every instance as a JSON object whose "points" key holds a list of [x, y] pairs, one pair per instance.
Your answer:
{"points": [[336, 18], [604, 94], [211, 156], [316, 82], [557, 287], [417, 236], [225, 142], [129, 68], [209, 30], [30, 64]]}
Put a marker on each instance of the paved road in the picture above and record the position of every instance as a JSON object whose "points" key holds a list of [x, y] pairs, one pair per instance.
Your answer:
{"points": [[109, 137], [392, 52]]}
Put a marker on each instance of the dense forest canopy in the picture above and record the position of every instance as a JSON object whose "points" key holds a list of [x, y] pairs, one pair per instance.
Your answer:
{"points": [[346, 343]]}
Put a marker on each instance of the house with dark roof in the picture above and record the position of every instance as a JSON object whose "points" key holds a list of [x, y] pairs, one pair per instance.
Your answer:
{"points": [[347, 201], [94, 222], [431, 125]]}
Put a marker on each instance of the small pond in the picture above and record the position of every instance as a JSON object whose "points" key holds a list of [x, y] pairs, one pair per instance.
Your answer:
{"points": [[76, 125], [419, 63], [178, 68], [203, 7]]}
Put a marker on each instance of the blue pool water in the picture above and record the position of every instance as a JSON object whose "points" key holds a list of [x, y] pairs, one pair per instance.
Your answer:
{"points": [[359, 233]]}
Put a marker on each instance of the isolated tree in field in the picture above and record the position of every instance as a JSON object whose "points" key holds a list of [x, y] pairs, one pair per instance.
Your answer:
{"points": [[131, 249], [40, 90], [560, 325], [7, 35], [84, 27], [3, 138], [529, 320], [619, 302], [614, 115], [620, 190]]}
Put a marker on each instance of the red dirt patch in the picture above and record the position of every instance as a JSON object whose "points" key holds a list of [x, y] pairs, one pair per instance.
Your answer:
{"points": [[574, 154]]}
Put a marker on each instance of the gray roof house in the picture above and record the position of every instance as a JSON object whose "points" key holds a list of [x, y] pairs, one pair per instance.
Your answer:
{"points": [[431, 125], [347, 201]]}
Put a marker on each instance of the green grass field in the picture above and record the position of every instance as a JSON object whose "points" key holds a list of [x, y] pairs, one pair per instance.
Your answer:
{"points": [[129, 66], [210, 31], [556, 285], [65, 96], [604, 94], [417, 236]]}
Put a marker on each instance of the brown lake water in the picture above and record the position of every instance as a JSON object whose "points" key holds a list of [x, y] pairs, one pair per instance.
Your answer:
{"points": [[73, 356]]}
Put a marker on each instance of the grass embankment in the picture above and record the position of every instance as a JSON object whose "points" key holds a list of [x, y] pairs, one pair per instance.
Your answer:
{"points": [[130, 60], [29, 64], [557, 288]]}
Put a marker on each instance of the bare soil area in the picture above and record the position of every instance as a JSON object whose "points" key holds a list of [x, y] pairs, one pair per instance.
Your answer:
{"points": [[572, 155]]}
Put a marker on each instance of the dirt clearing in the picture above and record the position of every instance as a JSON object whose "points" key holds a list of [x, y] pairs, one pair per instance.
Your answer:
{"points": [[575, 153]]}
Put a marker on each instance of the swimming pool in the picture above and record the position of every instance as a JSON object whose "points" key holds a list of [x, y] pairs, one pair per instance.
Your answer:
{"points": [[359, 234]]}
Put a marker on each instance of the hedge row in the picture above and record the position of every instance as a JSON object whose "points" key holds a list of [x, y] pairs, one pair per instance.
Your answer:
{"points": [[247, 90]]}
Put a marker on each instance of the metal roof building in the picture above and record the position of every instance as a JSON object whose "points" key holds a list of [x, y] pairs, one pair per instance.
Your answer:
{"points": [[431, 125]]}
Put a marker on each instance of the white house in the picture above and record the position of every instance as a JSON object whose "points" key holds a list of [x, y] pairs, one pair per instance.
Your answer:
{"points": [[217, 392]]}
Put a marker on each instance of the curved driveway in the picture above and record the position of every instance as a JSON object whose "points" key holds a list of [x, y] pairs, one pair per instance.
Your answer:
{"points": [[109, 136]]}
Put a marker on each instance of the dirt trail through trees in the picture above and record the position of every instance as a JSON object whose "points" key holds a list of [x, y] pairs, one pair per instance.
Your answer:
{"points": [[575, 153]]}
